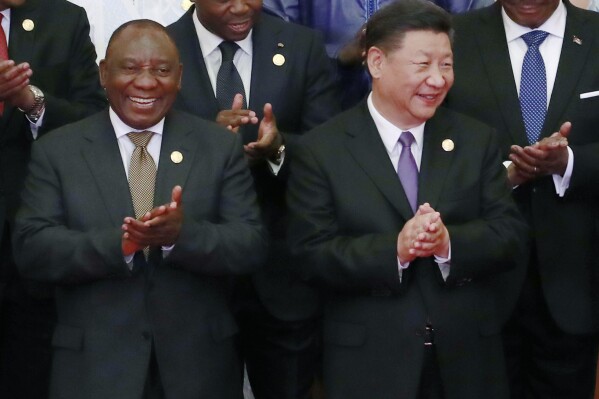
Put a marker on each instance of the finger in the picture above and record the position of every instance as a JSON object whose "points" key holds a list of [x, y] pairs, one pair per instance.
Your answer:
{"points": [[237, 102], [268, 113], [565, 129], [177, 195]]}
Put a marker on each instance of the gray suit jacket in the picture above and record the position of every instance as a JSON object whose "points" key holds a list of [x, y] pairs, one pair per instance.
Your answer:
{"points": [[348, 207], [68, 233]]}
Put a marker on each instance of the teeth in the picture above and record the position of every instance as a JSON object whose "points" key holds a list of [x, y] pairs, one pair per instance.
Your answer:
{"points": [[142, 100]]}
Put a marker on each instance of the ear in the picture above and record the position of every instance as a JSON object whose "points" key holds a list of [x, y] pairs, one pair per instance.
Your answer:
{"points": [[375, 59], [102, 72], [180, 76]]}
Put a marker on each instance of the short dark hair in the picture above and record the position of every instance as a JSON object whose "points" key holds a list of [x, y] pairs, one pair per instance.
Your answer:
{"points": [[387, 28], [142, 24]]}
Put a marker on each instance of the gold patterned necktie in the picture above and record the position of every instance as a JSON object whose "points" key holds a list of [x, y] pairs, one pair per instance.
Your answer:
{"points": [[142, 176]]}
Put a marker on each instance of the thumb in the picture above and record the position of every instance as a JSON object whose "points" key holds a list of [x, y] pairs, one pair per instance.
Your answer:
{"points": [[237, 102], [176, 195]]}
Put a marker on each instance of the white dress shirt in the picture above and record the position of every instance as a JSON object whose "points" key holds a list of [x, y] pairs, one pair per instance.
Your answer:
{"points": [[390, 136], [550, 50]]}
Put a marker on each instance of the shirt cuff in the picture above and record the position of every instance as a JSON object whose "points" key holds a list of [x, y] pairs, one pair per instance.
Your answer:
{"points": [[444, 264], [563, 182], [275, 168], [34, 126]]}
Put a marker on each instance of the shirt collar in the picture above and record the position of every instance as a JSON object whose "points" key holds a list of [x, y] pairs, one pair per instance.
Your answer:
{"points": [[555, 25], [209, 41], [389, 132], [121, 128]]}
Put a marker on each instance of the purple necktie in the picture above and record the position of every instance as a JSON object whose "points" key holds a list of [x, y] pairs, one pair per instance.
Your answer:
{"points": [[407, 169]]}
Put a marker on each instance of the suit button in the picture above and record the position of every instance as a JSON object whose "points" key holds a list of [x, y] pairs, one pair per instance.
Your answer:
{"points": [[146, 335]]}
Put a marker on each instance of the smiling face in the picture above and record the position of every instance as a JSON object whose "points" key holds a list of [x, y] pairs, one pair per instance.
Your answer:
{"points": [[411, 81], [141, 75], [529, 13], [230, 20]]}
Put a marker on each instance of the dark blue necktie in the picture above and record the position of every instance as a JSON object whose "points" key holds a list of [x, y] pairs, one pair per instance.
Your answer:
{"points": [[533, 86], [407, 169], [228, 81]]}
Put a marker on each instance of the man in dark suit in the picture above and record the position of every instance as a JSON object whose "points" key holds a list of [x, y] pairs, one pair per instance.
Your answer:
{"points": [[551, 340], [289, 82], [410, 310], [142, 301], [49, 78]]}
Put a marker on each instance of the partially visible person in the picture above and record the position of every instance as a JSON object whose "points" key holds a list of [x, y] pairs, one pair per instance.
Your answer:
{"points": [[341, 23], [270, 81], [48, 78], [139, 214], [402, 214], [527, 67]]}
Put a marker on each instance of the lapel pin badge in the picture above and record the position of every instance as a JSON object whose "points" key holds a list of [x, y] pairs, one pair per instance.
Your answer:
{"points": [[448, 145], [176, 157], [28, 25], [278, 59], [577, 40]]}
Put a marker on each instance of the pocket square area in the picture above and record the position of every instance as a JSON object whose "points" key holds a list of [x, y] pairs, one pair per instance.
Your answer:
{"points": [[589, 94]]}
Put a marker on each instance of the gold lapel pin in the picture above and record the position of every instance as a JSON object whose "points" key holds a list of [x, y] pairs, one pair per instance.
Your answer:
{"points": [[176, 157], [28, 25], [278, 59], [448, 145], [577, 40]]}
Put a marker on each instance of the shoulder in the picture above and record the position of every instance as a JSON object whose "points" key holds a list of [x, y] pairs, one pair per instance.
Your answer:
{"points": [[274, 25], [331, 133], [472, 132], [200, 130], [180, 28]]}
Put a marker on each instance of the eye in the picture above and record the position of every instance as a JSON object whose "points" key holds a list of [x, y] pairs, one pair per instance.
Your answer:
{"points": [[162, 71]]}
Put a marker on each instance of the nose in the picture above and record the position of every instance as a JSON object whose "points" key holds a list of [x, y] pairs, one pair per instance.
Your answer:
{"points": [[437, 77], [145, 79], [238, 7]]}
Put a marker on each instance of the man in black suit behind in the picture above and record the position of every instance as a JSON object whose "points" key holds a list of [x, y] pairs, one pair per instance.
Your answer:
{"points": [[289, 88], [49, 79], [552, 337], [142, 302], [408, 277]]}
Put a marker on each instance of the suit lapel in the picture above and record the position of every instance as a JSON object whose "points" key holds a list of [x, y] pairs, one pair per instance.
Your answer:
{"points": [[265, 42], [195, 74], [572, 60], [104, 161], [366, 147], [176, 138], [495, 56], [435, 161]]}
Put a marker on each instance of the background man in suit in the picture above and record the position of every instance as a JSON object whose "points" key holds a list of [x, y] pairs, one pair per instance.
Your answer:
{"points": [[551, 341], [284, 71], [141, 301], [48, 78], [410, 309]]}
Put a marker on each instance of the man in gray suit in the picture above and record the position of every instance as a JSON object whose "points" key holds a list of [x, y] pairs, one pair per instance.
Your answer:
{"points": [[141, 301]]}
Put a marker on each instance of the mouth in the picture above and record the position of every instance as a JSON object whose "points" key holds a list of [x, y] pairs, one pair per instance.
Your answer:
{"points": [[239, 27], [429, 98], [143, 102]]}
